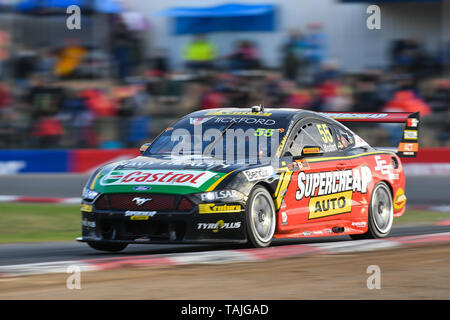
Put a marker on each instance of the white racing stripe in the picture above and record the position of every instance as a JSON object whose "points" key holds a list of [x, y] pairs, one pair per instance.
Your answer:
{"points": [[212, 257], [44, 268], [356, 245]]}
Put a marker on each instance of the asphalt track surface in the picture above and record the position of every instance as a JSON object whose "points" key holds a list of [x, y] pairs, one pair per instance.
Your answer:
{"points": [[432, 190], [11, 254]]}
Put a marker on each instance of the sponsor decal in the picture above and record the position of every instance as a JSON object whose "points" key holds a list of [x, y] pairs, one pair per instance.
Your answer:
{"points": [[284, 218], [252, 121], [329, 147], [302, 164], [355, 115], [330, 205], [11, 167], [410, 135], [213, 208], [311, 150], [219, 225], [240, 113], [385, 168], [333, 182], [222, 194], [157, 177], [408, 147], [142, 188], [412, 122], [88, 224], [140, 201], [280, 147], [86, 207], [306, 233], [399, 199], [359, 224], [139, 215], [198, 121], [258, 173]]}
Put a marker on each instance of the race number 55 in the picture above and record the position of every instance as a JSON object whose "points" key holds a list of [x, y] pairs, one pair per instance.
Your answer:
{"points": [[266, 132], [325, 133]]}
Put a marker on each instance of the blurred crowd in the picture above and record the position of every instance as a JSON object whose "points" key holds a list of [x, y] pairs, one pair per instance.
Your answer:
{"points": [[79, 97]]}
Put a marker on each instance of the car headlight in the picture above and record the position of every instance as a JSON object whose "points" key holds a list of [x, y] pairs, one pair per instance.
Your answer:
{"points": [[227, 195], [89, 194]]}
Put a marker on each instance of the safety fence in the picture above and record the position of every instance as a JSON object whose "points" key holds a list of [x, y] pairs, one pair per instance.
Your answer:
{"points": [[430, 161]]}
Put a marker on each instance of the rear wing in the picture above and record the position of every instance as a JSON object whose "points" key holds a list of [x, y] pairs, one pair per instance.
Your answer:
{"points": [[409, 145]]}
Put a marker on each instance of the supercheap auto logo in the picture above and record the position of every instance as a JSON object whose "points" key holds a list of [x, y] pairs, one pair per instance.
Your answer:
{"points": [[331, 192], [157, 177]]}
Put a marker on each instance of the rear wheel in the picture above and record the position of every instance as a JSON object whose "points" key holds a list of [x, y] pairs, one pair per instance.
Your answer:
{"points": [[381, 213], [261, 218], [111, 247]]}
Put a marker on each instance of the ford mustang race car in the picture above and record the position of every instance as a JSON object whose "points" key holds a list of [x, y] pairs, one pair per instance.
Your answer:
{"points": [[250, 176]]}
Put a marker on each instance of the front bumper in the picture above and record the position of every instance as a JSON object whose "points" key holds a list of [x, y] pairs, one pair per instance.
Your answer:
{"points": [[163, 227]]}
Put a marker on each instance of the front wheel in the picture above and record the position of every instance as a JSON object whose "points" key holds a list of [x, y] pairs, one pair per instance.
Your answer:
{"points": [[381, 213], [261, 218], [110, 247]]}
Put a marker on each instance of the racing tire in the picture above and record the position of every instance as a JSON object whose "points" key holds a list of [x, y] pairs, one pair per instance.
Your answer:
{"points": [[381, 213], [260, 218], [110, 247]]}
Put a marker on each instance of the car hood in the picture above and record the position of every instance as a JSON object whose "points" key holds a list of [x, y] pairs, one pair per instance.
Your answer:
{"points": [[163, 175]]}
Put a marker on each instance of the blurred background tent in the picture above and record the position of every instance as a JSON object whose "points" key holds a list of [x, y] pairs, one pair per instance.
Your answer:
{"points": [[225, 17], [60, 6]]}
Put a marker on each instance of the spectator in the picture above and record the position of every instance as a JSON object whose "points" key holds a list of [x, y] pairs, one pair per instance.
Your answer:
{"points": [[200, 53], [316, 53], [293, 54], [48, 132], [44, 98], [245, 56], [406, 101]]}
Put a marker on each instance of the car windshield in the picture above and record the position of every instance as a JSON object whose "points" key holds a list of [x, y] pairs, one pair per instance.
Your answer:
{"points": [[222, 137]]}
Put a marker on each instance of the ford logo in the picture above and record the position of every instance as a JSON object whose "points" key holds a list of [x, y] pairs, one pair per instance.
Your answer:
{"points": [[142, 188]]}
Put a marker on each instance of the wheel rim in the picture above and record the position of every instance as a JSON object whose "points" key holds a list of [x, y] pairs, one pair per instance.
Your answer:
{"points": [[382, 209], [262, 218]]}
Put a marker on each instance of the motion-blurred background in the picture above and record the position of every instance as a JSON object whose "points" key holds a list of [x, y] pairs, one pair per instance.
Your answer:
{"points": [[135, 66]]}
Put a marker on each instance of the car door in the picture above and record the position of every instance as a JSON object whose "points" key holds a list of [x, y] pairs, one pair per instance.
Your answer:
{"points": [[361, 175], [309, 199]]}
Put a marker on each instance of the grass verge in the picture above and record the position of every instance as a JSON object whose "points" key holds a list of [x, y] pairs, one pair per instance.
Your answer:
{"points": [[30, 222], [421, 217]]}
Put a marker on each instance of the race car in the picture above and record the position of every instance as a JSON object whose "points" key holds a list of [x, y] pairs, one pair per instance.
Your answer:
{"points": [[249, 176]]}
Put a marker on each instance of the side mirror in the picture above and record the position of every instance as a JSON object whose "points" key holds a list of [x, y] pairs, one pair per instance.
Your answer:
{"points": [[311, 151], [144, 147]]}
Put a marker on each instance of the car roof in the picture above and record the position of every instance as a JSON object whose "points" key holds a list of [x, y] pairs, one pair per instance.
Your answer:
{"points": [[287, 113]]}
